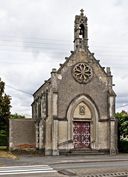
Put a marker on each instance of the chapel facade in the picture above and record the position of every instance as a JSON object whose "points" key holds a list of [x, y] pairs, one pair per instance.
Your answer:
{"points": [[74, 109]]}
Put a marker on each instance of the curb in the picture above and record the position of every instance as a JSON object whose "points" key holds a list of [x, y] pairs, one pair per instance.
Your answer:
{"points": [[89, 161]]}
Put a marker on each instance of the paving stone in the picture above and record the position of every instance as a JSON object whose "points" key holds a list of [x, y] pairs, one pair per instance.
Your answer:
{"points": [[102, 172]]}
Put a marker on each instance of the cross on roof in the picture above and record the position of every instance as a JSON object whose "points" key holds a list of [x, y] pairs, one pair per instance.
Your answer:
{"points": [[82, 12]]}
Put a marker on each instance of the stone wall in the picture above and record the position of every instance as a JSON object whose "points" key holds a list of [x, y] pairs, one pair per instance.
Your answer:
{"points": [[21, 134], [96, 89]]}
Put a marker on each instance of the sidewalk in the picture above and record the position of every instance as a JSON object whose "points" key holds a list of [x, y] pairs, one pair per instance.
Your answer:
{"points": [[97, 172], [88, 159]]}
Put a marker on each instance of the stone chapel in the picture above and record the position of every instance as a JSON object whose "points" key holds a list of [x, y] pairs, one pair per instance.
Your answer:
{"points": [[74, 109]]}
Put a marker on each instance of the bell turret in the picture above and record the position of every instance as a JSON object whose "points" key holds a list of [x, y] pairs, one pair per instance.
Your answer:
{"points": [[80, 32]]}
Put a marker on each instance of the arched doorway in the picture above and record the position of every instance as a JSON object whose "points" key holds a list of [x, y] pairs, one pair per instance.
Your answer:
{"points": [[82, 118]]}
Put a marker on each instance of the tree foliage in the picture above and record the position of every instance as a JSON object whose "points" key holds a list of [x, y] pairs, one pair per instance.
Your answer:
{"points": [[123, 124], [4, 114], [4, 103], [17, 116]]}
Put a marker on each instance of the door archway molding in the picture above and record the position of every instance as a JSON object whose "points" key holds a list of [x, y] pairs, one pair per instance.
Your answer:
{"points": [[93, 121]]}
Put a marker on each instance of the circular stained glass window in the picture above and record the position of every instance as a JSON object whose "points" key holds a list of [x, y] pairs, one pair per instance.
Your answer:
{"points": [[82, 73]]}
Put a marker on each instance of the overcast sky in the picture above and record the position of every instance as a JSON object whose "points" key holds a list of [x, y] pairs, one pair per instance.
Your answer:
{"points": [[36, 36]]}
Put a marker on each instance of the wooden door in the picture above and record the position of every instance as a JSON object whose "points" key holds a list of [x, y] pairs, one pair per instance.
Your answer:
{"points": [[81, 134]]}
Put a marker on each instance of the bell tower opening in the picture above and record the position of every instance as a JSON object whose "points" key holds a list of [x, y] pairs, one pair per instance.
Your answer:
{"points": [[80, 32]]}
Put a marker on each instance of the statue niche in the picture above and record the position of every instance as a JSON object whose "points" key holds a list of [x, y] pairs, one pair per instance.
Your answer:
{"points": [[82, 111]]}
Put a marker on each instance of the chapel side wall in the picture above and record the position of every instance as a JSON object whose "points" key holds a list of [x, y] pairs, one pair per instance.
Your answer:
{"points": [[43, 117], [21, 134]]}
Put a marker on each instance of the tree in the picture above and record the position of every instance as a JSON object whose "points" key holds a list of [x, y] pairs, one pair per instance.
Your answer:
{"points": [[17, 116], [4, 111], [122, 131], [123, 124]]}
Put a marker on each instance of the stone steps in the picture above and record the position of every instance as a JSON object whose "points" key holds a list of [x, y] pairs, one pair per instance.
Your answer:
{"points": [[81, 152]]}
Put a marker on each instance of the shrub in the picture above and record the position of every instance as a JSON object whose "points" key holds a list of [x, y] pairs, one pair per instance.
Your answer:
{"points": [[123, 146]]}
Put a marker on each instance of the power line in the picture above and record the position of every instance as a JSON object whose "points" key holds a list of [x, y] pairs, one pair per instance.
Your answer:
{"points": [[31, 38], [53, 49], [19, 90], [59, 45], [55, 44], [122, 106], [55, 41], [60, 48], [11, 38], [35, 42]]}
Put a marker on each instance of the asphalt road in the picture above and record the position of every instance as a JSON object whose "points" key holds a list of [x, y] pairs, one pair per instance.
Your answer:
{"points": [[64, 166]]}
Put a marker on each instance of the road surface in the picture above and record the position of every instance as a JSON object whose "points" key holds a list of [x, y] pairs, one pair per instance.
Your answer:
{"points": [[65, 166]]}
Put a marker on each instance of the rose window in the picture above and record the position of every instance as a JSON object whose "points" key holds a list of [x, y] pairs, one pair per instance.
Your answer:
{"points": [[82, 73]]}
